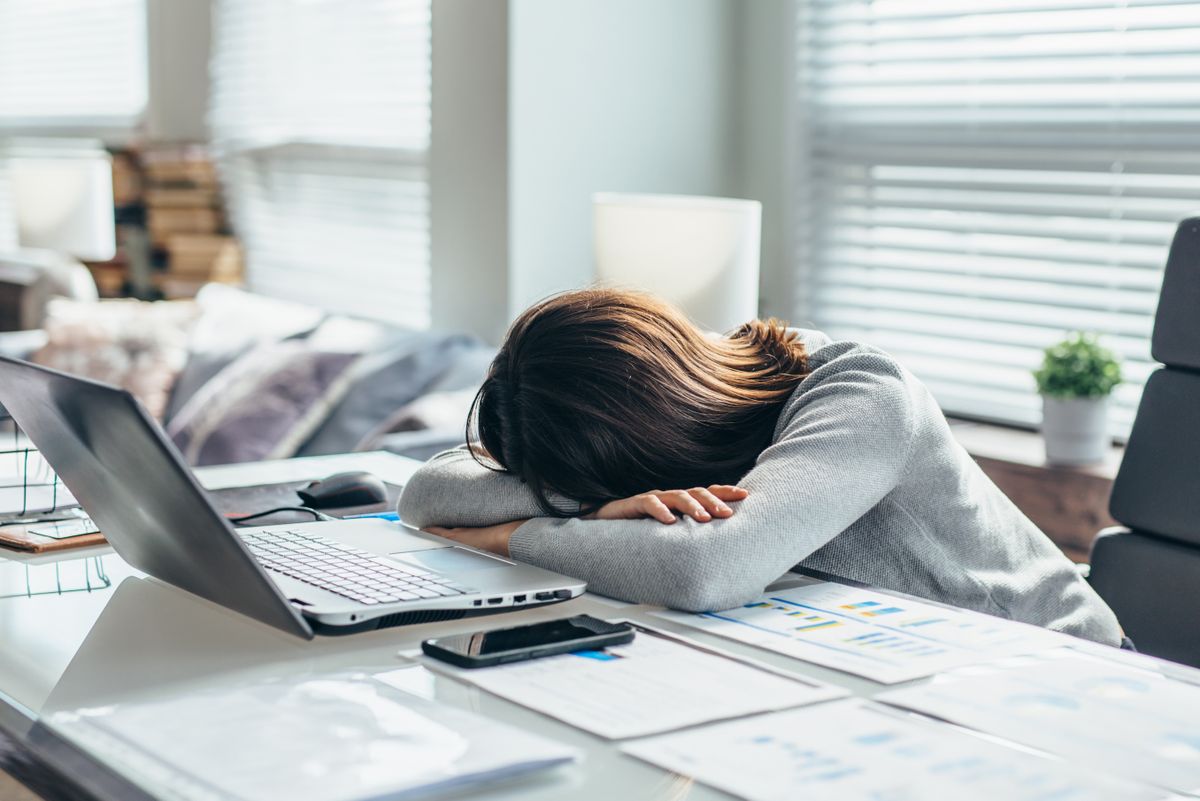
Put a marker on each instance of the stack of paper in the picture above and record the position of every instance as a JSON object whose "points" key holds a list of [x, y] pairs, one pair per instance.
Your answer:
{"points": [[855, 751], [654, 684], [311, 739], [1099, 714], [868, 633]]}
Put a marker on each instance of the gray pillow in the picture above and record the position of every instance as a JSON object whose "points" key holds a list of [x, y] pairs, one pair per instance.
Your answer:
{"points": [[411, 365], [231, 323], [264, 404]]}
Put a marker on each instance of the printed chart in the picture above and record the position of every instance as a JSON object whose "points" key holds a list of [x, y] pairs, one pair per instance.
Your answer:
{"points": [[654, 684], [856, 751], [868, 633], [1096, 713]]}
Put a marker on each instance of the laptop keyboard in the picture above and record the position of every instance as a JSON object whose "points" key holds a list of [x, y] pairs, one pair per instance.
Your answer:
{"points": [[349, 572]]}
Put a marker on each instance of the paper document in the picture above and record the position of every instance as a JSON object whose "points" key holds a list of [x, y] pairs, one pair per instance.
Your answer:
{"points": [[33, 500], [311, 739], [868, 633], [1100, 714], [856, 751], [389, 467], [654, 684]]}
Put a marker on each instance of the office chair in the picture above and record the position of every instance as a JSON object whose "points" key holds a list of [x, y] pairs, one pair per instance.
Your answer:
{"points": [[1148, 571]]}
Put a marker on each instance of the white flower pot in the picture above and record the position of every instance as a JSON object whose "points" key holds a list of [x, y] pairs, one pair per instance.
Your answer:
{"points": [[1075, 430]]}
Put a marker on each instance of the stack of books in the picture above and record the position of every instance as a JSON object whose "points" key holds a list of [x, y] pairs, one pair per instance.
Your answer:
{"points": [[172, 236], [185, 223], [181, 194], [197, 259]]}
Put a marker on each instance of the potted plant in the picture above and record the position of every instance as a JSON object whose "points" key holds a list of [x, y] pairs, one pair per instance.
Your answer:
{"points": [[1075, 380]]}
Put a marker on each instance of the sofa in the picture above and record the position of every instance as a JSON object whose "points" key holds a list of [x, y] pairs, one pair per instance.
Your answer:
{"points": [[234, 376]]}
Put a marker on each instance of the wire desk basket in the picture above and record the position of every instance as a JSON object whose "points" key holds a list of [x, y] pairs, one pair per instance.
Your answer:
{"points": [[30, 490], [31, 493]]}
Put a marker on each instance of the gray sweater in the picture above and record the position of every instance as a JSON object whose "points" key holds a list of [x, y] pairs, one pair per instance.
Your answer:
{"points": [[863, 480]]}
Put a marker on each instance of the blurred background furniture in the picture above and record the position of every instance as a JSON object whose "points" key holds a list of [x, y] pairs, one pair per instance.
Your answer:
{"points": [[1149, 570], [62, 194], [30, 278], [240, 377]]}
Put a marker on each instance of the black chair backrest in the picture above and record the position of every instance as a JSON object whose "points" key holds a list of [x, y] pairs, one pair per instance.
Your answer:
{"points": [[1157, 490]]}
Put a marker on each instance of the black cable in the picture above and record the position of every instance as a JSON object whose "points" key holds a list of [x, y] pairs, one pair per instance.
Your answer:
{"points": [[237, 521]]}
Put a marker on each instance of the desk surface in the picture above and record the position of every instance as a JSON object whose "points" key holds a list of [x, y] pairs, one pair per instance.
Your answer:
{"points": [[139, 637]]}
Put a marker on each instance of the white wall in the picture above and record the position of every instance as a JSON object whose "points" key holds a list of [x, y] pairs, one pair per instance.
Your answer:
{"points": [[610, 95], [469, 171], [179, 35], [538, 104], [766, 141]]}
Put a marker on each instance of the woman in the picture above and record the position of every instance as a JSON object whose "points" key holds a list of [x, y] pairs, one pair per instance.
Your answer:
{"points": [[606, 414]]}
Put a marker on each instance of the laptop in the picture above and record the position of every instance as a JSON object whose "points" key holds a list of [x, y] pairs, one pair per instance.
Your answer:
{"points": [[325, 577]]}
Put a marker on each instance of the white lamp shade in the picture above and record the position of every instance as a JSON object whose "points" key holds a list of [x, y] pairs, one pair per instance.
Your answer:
{"points": [[65, 203], [698, 253]]}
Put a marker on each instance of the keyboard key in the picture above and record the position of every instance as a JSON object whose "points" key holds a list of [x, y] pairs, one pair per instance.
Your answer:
{"points": [[346, 571]]}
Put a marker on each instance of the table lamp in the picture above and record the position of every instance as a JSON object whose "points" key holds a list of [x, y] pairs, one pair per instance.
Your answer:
{"points": [[63, 197], [59, 191], [699, 253]]}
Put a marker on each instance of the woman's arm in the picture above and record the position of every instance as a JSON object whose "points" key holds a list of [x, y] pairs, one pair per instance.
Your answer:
{"points": [[844, 446], [452, 489]]}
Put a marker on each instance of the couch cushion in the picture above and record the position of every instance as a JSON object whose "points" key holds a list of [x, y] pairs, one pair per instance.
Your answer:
{"points": [[391, 378], [232, 322], [264, 404], [140, 347]]}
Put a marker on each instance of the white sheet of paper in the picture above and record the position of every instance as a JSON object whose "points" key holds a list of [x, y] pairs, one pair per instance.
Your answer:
{"points": [[855, 751], [308, 739], [1100, 714], [389, 467], [882, 637], [31, 500], [654, 684]]}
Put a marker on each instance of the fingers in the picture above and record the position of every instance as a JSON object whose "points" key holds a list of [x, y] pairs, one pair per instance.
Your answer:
{"points": [[683, 502], [653, 506], [728, 492], [702, 504], [711, 503]]}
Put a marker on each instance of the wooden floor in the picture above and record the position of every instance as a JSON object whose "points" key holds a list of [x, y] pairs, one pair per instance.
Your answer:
{"points": [[12, 790]]}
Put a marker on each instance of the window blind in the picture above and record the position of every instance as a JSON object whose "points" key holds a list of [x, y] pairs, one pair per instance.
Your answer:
{"points": [[320, 117], [8, 215], [978, 180], [72, 64]]}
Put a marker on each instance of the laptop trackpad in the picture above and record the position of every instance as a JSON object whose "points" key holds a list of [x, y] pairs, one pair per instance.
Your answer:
{"points": [[451, 560]]}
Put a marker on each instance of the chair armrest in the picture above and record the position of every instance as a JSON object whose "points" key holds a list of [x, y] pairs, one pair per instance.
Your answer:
{"points": [[21, 344]]}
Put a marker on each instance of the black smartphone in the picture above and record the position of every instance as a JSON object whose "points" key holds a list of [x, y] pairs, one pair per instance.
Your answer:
{"points": [[516, 644]]}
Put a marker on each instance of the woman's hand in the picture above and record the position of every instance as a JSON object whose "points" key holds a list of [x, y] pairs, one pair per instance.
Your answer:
{"points": [[701, 504], [486, 538]]}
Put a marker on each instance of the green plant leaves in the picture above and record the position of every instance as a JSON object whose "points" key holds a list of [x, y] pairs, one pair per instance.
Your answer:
{"points": [[1078, 367]]}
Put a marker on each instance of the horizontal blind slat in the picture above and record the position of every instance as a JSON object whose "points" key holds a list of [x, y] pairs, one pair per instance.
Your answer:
{"points": [[325, 158], [979, 180], [72, 64]]}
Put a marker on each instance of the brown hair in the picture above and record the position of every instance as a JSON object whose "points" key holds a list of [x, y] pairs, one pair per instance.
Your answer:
{"points": [[602, 394]]}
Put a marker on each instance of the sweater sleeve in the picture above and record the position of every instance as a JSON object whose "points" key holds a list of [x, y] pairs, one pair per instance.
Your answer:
{"points": [[841, 446], [452, 489]]}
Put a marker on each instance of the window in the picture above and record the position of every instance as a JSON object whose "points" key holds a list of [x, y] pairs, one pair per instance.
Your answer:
{"points": [[72, 64], [977, 182], [320, 120]]}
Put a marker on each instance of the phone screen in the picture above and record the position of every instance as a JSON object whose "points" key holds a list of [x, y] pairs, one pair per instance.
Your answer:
{"points": [[484, 643]]}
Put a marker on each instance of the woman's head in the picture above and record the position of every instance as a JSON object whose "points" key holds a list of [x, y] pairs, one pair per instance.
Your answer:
{"points": [[602, 394]]}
